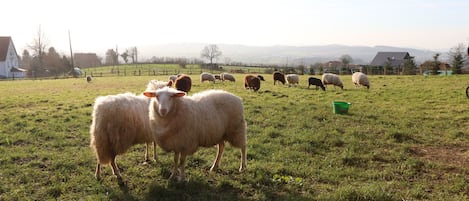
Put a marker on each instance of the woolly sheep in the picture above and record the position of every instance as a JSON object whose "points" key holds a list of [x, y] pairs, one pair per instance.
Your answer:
{"points": [[118, 122], [183, 83], [278, 76], [317, 82], [207, 77], [227, 76], [330, 78], [252, 82], [293, 79], [359, 78], [180, 124]]}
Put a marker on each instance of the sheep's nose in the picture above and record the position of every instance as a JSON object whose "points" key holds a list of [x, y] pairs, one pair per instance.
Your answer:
{"points": [[163, 112]]}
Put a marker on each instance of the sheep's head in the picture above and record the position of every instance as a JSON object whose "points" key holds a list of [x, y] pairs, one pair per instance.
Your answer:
{"points": [[164, 98]]}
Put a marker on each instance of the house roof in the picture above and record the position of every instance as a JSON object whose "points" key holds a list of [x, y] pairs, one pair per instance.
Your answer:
{"points": [[396, 58], [4, 44]]}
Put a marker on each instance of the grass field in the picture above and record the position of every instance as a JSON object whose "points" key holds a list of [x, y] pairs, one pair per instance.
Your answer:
{"points": [[404, 139]]}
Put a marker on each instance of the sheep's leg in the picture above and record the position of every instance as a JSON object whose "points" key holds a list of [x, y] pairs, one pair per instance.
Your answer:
{"points": [[97, 173], [155, 157], [115, 169], [216, 163], [243, 159], [182, 162], [147, 146], [174, 173]]}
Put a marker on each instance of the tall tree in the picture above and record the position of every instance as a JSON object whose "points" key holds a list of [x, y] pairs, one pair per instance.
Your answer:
{"points": [[457, 58], [210, 52], [53, 62]]}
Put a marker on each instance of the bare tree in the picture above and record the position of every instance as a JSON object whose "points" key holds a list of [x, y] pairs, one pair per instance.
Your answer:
{"points": [[134, 54], [211, 52], [38, 48]]}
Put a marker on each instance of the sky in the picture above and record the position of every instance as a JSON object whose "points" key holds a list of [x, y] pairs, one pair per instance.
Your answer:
{"points": [[98, 25]]}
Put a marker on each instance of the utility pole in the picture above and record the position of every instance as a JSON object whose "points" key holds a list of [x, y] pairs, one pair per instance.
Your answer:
{"points": [[71, 53]]}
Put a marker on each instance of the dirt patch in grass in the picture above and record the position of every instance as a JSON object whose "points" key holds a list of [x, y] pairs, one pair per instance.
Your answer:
{"points": [[454, 155]]}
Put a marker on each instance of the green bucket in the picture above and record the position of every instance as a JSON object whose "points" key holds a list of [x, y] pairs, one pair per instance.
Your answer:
{"points": [[340, 107]]}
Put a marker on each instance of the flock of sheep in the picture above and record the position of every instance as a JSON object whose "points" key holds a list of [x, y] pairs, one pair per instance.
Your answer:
{"points": [[178, 123], [358, 79]]}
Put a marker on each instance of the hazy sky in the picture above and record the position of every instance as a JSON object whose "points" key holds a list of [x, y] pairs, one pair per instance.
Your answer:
{"points": [[97, 25]]}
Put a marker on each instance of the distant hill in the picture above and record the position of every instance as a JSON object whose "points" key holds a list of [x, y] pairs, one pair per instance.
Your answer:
{"points": [[293, 55]]}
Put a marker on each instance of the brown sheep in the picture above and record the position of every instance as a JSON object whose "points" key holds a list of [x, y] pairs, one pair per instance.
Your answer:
{"points": [[278, 76], [252, 82], [183, 83]]}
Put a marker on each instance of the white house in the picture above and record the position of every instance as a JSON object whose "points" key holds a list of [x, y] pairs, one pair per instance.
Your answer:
{"points": [[9, 60]]}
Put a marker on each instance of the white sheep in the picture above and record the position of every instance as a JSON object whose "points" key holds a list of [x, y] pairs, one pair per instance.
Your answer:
{"points": [[227, 76], [359, 78], [207, 77], [292, 79], [330, 78], [181, 124], [118, 122]]}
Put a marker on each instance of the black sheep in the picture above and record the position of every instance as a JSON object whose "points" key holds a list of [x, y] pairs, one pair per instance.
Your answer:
{"points": [[278, 76], [317, 82]]}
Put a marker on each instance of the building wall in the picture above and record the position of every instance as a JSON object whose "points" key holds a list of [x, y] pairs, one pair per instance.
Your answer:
{"points": [[11, 61]]}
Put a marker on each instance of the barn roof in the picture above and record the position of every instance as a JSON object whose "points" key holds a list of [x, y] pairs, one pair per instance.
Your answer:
{"points": [[4, 44], [396, 58]]}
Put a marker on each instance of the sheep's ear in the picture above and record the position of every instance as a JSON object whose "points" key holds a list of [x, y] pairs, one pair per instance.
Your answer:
{"points": [[149, 94], [170, 83], [179, 94]]}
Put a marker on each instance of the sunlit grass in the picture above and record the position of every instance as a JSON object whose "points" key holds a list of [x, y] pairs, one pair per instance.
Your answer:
{"points": [[392, 145]]}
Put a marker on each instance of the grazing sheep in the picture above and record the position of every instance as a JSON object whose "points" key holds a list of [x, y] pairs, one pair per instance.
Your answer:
{"points": [[329, 78], [359, 78], [261, 77], [118, 122], [317, 82], [227, 76], [207, 77], [89, 78], [180, 124], [183, 83], [293, 79], [278, 76], [252, 82]]}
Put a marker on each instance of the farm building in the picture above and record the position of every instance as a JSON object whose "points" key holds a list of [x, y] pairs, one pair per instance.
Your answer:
{"points": [[9, 60], [395, 59], [85, 60]]}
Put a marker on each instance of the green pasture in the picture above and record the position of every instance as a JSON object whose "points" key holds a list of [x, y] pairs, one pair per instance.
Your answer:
{"points": [[406, 138]]}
